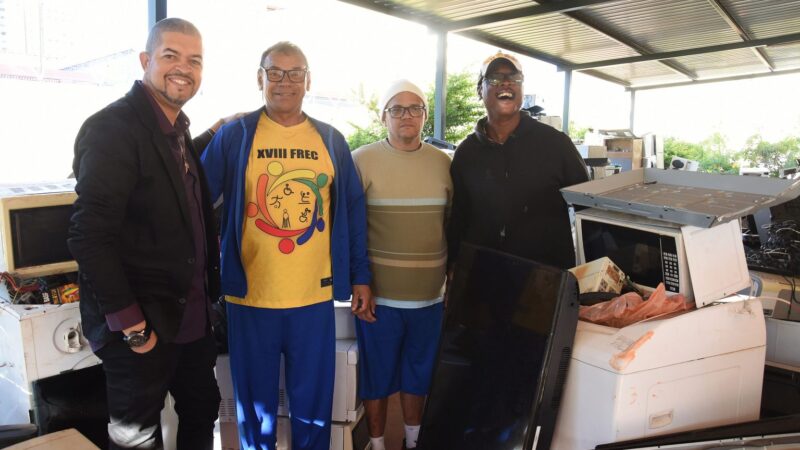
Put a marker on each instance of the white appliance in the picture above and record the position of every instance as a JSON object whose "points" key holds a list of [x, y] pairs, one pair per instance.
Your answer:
{"points": [[345, 392], [778, 294], [345, 320], [704, 264], [698, 369], [783, 338], [343, 435], [678, 163], [37, 341]]}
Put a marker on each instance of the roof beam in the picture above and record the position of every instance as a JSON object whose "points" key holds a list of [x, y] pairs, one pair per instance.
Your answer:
{"points": [[786, 39], [519, 13], [714, 80], [733, 23], [606, 77], [508, 45], [390, 8], [624, 40]]}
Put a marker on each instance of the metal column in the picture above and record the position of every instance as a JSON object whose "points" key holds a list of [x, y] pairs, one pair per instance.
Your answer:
{"points": [[633, 110], [156, 10], [440, 92], [567, 89]]}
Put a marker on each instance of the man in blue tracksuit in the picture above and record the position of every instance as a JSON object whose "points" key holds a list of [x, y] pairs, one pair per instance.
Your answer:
{"points": [[293, 238]]}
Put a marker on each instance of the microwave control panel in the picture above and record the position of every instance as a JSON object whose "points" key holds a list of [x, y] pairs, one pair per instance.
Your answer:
{"points": [[669, 264]]}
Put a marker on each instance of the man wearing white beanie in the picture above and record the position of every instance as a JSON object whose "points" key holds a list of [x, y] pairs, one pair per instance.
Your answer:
{"points": [[408, 190]]}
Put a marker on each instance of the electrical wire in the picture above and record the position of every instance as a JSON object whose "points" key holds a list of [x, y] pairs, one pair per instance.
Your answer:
{"points": [[777, 299], [20, 291]]}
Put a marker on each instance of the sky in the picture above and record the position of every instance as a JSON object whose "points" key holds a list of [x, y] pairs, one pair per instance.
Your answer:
{"points": [[352, 52]]}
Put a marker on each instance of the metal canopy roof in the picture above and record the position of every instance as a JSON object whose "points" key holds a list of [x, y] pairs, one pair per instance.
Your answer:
{"points": [[640, 44]]}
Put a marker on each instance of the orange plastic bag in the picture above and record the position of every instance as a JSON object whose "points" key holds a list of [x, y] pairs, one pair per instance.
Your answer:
{"points": [[630, 308]]}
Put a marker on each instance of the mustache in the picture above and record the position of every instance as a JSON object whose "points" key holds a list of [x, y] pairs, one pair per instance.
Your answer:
{"points": [[179, 74]]}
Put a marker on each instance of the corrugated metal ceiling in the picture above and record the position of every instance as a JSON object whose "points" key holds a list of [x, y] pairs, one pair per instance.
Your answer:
{"points": [[636, 43]]}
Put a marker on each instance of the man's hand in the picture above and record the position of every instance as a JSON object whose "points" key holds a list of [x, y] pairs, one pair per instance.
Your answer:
{"points": [[150, 342], [363, 305], [225, 120]]}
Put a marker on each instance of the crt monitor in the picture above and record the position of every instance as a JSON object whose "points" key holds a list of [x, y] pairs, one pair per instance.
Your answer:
{"points": [[34, 222], [503, 356]]}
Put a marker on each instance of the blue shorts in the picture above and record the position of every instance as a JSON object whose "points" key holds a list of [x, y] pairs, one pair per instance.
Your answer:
{"points": [[397, 352]]}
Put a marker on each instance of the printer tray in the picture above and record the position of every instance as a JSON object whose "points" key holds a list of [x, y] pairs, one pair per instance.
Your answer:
{"points": [[687, 198]]}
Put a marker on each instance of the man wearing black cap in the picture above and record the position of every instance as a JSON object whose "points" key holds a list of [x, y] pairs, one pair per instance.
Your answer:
{"points": [[507, 175]]}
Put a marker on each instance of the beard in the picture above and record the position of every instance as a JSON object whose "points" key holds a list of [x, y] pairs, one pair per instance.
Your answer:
{"points": [[178, 97], [173, 100]]}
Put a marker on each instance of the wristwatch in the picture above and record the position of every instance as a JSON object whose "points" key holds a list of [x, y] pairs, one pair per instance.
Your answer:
{"points": [[138, 338]]}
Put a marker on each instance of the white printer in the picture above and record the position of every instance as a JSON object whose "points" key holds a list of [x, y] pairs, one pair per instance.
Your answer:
{"points": [[694, 370]]}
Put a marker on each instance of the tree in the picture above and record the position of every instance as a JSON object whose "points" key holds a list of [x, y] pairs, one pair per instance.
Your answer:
{"points": [[712, 154], [577, 132], [462, 110], [773, 156]]}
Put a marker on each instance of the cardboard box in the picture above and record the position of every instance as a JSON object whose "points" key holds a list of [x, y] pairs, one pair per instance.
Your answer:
{"points": [[69, 439], [592, 151], [600, 275], [625, 152]]}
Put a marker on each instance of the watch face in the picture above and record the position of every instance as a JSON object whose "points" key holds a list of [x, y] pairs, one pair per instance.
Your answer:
{"points": [[136, 340]]}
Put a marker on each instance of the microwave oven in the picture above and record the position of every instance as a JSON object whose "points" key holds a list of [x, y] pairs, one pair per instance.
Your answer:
{"points": [[647, 251], [34, 224], [703, 264]]}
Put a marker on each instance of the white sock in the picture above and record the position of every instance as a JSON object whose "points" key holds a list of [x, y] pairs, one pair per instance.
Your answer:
{"points": [[377, 443], [412, 433]]}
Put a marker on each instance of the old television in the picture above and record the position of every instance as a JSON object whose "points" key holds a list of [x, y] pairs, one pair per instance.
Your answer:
{"points": [[503, 355], [704, 264], [34, 222]]}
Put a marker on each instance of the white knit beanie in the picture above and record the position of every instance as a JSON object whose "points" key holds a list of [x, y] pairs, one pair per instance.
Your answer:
{"points": [[398, 87]]}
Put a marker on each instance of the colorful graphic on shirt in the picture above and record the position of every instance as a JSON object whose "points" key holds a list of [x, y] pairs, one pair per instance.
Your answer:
{"points": [[285, 196]]}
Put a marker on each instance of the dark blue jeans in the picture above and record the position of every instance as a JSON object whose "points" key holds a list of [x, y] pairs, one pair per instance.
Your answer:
{"points": [[138, 384]]}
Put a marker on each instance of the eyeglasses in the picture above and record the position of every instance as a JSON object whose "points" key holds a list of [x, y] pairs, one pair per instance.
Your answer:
{"points": [[295, 75], [497, 78], [397, 112]]}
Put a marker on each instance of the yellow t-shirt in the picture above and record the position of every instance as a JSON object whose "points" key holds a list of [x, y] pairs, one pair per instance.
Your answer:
{"points": [[286, 239]]}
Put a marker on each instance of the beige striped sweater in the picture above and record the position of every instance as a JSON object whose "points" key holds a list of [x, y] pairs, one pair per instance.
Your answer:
{"points": [[408, 195]]}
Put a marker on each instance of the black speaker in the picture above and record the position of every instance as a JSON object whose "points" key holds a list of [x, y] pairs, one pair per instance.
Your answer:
{"points": [[75, 399]]}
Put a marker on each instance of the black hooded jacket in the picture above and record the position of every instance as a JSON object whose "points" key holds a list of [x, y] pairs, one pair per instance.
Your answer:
{"points": [[506, 196]]}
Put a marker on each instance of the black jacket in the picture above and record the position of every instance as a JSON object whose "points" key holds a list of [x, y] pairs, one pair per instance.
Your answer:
{"points": [[131, 232], [507, 197]]}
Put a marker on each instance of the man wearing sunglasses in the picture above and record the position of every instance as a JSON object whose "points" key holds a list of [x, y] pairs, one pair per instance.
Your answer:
{"points": [[293, 238], [407, 186], [507, 175]]}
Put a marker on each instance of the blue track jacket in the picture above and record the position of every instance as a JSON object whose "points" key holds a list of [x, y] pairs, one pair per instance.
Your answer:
{"points": [[225, 163]]}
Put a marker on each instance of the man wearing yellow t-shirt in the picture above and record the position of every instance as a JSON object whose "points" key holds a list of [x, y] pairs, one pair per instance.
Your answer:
{"points": [[293, 238]]}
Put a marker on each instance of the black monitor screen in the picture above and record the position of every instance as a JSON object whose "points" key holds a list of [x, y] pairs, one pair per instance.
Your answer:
{"points": [[636, 252], [39, 235], [505, 347]]}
